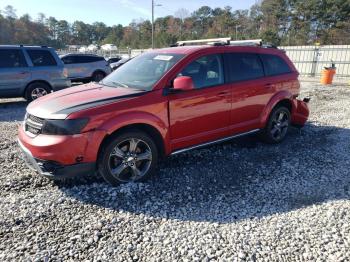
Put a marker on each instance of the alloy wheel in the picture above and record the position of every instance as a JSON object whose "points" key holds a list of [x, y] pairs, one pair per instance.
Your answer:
{"points": [[130, 160], [38, 92], [280, 125]]}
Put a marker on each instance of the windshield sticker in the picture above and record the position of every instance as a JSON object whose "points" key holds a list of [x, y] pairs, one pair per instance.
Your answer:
{"points": [[163, 57]]}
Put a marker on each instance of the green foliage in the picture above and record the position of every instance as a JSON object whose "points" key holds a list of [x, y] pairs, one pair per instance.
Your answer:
{"points": [[280, 22]]}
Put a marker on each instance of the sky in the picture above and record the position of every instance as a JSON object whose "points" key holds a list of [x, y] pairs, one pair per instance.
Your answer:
{"points": [[113, 12]]}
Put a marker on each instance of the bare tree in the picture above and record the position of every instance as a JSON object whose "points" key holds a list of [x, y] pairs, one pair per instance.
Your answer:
{"points": [[10, 12], [182, 14]]}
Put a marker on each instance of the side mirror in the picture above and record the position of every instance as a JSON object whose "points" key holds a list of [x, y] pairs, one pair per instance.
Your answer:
{"points": [[183, 83]]}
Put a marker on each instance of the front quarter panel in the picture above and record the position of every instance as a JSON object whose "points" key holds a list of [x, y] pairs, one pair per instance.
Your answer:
{"points": [[150, 109]]}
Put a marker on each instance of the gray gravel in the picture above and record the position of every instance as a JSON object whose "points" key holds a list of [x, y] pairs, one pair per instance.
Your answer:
{"points": [[241, 200]]}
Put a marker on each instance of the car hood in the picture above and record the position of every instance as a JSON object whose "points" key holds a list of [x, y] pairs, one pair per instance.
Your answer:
{"points": [[59, 105]]}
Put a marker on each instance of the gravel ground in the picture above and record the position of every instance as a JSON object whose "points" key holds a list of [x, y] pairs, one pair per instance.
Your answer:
{"points": [[241, 200]]}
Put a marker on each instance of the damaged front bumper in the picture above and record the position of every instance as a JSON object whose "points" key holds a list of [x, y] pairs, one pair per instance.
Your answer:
{"points": [[53, 169]]}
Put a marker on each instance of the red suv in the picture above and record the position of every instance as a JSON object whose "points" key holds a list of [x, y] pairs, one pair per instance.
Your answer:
{"points": [[161, 103]]}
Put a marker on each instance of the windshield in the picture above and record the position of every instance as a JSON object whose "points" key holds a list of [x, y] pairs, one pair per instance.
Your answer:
{"points": [[142, 72]]}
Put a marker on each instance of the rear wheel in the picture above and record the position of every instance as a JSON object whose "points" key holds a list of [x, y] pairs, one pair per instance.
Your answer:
{"points": [[36, 90], [98, 76], [128, 157], [277, 126]]}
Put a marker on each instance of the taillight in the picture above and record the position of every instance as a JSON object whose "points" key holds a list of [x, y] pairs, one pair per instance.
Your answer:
{"points": [[65, 72]]}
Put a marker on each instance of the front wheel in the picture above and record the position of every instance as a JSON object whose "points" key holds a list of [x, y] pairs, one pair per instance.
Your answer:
{"points": [[277, 126], [128, 157]]}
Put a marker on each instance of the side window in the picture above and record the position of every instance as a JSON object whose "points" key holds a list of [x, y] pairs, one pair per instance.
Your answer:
{"points": [[79, 59], [274, 65], [205, 71], [98, 58], [88, 59], [244, 66], [12, 58], [68, 60], [84, 59], [41, 58]]}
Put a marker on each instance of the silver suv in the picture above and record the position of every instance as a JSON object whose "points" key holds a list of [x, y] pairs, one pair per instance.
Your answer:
{"points": [[86, 67], [30, 71]]}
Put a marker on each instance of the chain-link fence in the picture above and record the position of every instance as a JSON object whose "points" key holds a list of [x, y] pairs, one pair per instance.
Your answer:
{"points": [[310, 60]]}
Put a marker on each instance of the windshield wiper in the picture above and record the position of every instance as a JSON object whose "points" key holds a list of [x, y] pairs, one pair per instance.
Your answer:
{"points": [[120, 84]]}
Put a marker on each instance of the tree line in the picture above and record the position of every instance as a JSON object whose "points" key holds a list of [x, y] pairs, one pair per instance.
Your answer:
{"points": [[280, 22]]}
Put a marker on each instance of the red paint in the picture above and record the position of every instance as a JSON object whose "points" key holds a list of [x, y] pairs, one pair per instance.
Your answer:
{"points": [[184, 83], [182, 119]]}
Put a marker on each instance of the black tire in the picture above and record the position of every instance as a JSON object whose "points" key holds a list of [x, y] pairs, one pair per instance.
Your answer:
{"points": [[126, 162], [36, 90], [98, 76], [277, 126]]}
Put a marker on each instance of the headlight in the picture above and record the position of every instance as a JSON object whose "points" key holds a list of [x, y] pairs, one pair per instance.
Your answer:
{"points": [[64, 127]]}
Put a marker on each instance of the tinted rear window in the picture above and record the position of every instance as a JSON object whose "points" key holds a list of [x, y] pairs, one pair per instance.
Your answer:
{"points": [[274, 65], [41, 58], [87, 59], [11, 58], [243, 66]]}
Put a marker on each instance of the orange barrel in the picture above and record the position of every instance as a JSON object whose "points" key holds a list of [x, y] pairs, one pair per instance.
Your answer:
{"points": [[327, 76]]}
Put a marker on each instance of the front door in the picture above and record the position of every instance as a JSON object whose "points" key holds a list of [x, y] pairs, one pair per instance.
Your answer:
{"points": [[201, 115], [14, 72]]}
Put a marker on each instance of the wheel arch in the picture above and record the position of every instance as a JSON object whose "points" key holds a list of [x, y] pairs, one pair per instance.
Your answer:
{"points": [[282, 98], [98, 71], [150, 130], [36, 81]]}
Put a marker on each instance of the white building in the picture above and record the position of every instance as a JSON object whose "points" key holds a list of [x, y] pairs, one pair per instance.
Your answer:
{"points": [[109, 47]]}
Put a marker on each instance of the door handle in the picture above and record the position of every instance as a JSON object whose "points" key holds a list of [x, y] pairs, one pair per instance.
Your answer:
{"points": [[222, 94], [24, 72], [268, 85]]}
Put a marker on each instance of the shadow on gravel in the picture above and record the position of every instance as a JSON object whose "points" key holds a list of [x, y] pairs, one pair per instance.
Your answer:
{"points": [[12, 110], [241, 179]]}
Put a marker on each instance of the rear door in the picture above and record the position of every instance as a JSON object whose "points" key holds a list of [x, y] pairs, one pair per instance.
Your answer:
{"points": [[203, 114], [279, 74], [74, 66], [250, 91], [14, 72], [89, 65], [43, 65]]}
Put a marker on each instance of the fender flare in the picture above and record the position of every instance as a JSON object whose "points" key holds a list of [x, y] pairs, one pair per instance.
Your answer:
{"points": [[137, 117], [282, 95]]}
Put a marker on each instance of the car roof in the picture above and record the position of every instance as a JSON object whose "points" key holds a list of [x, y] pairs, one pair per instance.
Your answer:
{"points": [[25, 46], [72, 54]]}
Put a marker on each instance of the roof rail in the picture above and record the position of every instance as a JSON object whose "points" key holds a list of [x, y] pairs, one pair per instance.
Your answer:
{"points": [[253, 42], [36, 46], [225, 40]]}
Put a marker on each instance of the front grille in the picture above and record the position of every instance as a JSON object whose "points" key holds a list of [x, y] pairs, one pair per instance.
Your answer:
{"points": [[36, 119], [33, 124]]}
